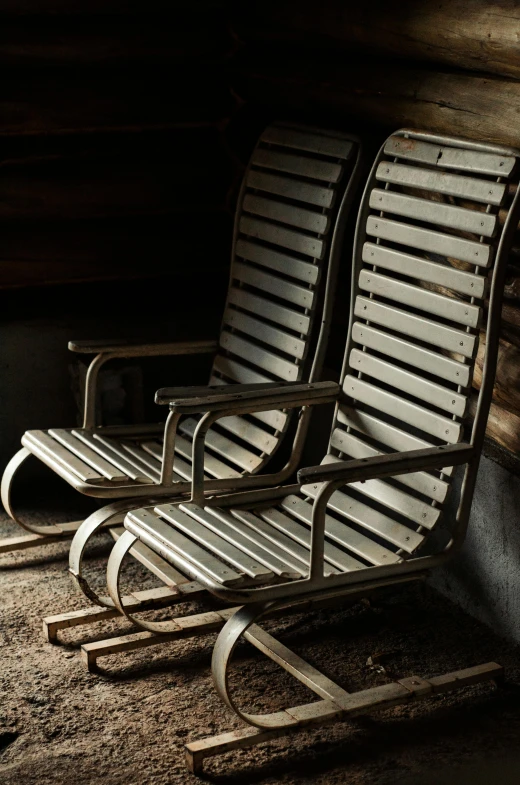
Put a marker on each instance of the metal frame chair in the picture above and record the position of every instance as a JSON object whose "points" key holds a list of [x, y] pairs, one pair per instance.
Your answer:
{"points": [[438, 213], [288, 230]]}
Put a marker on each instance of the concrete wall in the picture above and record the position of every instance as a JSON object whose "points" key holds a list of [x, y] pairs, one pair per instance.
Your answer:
{"points": [[485, 578]]}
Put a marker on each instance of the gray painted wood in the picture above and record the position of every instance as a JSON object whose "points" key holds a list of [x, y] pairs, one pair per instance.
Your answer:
{"points": [[450, 184]]}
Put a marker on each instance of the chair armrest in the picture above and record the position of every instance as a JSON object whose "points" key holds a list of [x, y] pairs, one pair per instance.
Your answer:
{"points": [[388, 465], [193, 400], [121, 348]]}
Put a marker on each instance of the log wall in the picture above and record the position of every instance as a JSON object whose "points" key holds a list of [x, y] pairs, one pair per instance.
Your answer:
{"points": [[111, 138], [123, 124]]}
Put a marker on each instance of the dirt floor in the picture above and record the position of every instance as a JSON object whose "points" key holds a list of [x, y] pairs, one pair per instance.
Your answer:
{"points": [[128, 723]]}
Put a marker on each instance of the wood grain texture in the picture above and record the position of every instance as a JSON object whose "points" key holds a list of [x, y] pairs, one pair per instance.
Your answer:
{"points": [[387, 94], [471, 34]]}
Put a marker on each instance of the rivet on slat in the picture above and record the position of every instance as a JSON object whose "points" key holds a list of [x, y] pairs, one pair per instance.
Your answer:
{"points": [[364, 308], [446, 432], [501, 163], [424, 515], [453, 402], [461, 343], [434, 487]]}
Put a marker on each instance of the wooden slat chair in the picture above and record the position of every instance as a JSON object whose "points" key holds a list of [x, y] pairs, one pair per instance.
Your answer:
{"points": [[289, 223], [437, 213]]}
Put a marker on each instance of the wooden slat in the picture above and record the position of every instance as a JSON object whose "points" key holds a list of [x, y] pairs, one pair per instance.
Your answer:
{"points": [[383, 432], [63, 456], [300, 533], [397, 500], [251, 521], [354, 447], [430, 240], [450, 157], [274, 284], [139, 468], [285, 213], [413, 354], [251, 543], [312, 143], [411, 383], [411, 413], [451, 184], [299, 190], [286, 342], [275, 312], [312, 168], [257, 355], [225, 541], [465, 220], [281, 262], [250, 433], [278, 235], [159, 532], [372, 520], [117, 459], [342, 534], [93, 459], [153, 466], [426, 330], [433, 272], [220, 444], [416, 297]]}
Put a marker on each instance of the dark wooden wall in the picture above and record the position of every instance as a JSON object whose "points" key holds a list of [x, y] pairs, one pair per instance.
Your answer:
{"points": [[111, 137], [124, 126]]}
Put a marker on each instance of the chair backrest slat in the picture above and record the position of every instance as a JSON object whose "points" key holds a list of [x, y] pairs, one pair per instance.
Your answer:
{"points": [[427, 240], [290, 206]]}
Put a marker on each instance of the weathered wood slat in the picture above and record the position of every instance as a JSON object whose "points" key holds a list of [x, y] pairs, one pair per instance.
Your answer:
{"points": [[479, 223], [428, 240], [450, 157], [262, 331], [416, 326], [415, 267], [280, 314], [411, 383], [298, 190], [356, 448], [286, 238], [411, 353], [417, 297], [297, 164], [309, 220], [274, 284], [281, 262], [406, 411]]}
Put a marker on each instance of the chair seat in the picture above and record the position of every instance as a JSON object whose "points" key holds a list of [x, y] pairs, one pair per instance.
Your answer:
{"points": [[106, 459], [236, 547]]}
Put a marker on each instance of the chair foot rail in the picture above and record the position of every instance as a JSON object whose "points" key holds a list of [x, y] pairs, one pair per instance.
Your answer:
{"points": [[325, 712]]}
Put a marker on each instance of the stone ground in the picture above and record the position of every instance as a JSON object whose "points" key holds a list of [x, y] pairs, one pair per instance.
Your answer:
{"points": [[128, 723]]}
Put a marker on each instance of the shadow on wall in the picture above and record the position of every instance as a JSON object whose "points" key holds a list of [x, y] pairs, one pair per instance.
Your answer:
{"points": [[484, 578]]}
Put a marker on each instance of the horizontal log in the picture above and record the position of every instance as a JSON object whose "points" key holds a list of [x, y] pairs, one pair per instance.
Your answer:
{"points": [[82, 8], [86, 101], [503, 427], [114, 176], [113, 40], [52, 253], [474, 34], [386, 94], [506, 391]]}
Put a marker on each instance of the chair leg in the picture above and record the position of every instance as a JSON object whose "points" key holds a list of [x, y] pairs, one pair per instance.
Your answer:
{"points": [[38, 535], [336, 704]]}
